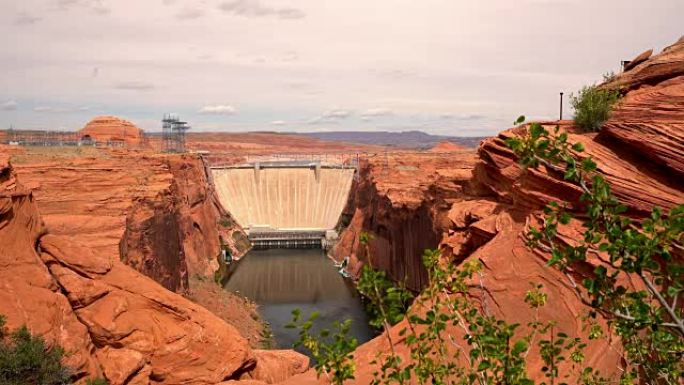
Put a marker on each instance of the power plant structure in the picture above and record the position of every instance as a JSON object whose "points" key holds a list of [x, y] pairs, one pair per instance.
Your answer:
{"points": [[173, 133]]}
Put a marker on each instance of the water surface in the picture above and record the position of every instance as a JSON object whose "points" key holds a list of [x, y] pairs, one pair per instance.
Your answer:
{"points": [[280, 280]]}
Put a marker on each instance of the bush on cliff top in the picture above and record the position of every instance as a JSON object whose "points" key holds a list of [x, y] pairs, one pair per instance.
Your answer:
{"points": [[593, 106]]}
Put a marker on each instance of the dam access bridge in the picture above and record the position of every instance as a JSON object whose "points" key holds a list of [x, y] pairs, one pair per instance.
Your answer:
{"points": [[287, 201]]}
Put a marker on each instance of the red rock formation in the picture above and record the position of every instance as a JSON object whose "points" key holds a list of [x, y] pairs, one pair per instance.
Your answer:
{"points": [[145, 208], [640, 58], [112, 129], [402, 201], [28, 293], [275, 366], [640, 152], [111, 320], [179, 232], [650, 117], [447, 146]]}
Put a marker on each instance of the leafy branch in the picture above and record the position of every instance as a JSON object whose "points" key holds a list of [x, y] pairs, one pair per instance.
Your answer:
{"points": [[647, 316]]}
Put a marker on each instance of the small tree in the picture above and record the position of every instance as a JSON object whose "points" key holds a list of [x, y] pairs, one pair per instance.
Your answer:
{"points": [[593, 106], [331, 350], [26, 360]]}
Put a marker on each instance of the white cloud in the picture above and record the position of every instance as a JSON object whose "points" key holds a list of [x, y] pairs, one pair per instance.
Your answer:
{"points": [[9, 105], [218, 110], [331, 116], [466, 117], [254, 8], [372, 112], [278, 122]]}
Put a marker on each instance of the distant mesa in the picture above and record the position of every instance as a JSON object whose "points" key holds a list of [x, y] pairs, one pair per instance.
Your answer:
{"points": [[110, 129], [447, 146]]}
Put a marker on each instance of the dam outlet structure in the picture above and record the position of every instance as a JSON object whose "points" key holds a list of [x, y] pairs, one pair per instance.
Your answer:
{"points": [[286, 203]]}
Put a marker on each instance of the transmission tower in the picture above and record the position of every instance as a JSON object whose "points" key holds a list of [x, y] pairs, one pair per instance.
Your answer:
{"points": [[173, 133]]}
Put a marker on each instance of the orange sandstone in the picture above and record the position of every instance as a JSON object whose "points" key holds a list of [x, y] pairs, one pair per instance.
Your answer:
{"points": [[112, 129]]}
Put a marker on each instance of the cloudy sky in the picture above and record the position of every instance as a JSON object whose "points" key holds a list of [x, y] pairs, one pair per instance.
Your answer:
{"points": [[455, 67]]}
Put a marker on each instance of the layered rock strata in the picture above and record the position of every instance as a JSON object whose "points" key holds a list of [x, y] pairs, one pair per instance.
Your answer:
{"points": [[112, 321], [158, 212], [639, 152]]}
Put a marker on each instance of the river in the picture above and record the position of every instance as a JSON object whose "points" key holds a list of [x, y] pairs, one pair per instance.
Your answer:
{"points": [[280, 280]]}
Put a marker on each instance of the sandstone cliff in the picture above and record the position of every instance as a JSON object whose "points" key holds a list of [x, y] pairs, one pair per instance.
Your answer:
{"points": [[640, 151], [180, 231], [159, 213], [402, 201], [112, 320]]}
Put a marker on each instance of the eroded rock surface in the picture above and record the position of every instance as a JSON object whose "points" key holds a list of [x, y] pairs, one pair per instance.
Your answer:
{"points": [[158, 212], [113, 321], [402, 201], [650, 117], [640, 152]]}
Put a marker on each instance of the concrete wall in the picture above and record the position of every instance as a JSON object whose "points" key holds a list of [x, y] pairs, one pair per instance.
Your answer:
{"points": [[284, 198]]}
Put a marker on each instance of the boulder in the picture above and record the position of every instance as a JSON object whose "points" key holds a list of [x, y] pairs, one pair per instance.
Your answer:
{"points": [[642, 57], [274, 366]]}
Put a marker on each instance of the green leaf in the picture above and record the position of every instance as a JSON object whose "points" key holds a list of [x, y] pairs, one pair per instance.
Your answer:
{"points": [[536, 130], [588, 165], [484, 365], [579, 147], [519, 347]]}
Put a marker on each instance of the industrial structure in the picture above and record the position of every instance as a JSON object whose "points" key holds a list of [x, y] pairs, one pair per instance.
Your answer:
{"points": [[173, 133], [41, 138], [289, 203]]}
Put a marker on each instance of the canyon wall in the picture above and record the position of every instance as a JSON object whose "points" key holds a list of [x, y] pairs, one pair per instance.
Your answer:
{"points": [[639, 152], [402, 200], [112, 321], [158, 212], [180, 231]]}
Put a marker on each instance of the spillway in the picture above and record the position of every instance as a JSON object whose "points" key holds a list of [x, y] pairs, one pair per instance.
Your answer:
{"points": [[284, 201]]}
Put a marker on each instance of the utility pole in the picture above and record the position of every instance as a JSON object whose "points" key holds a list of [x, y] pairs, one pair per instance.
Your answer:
{"points": [[561, 106]]}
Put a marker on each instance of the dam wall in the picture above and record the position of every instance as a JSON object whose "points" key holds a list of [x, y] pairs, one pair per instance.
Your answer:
{"points": [[284, 198]]}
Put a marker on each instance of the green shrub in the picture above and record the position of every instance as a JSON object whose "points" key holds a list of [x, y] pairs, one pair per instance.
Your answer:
{"points": [[331, 350], [26, 360], [593, 106]]}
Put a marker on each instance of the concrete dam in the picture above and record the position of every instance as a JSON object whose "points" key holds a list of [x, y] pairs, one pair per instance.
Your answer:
{"points": [[285, 204]]}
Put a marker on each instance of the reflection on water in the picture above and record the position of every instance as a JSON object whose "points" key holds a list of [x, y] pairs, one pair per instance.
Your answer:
{"points": [[280, 280]]}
